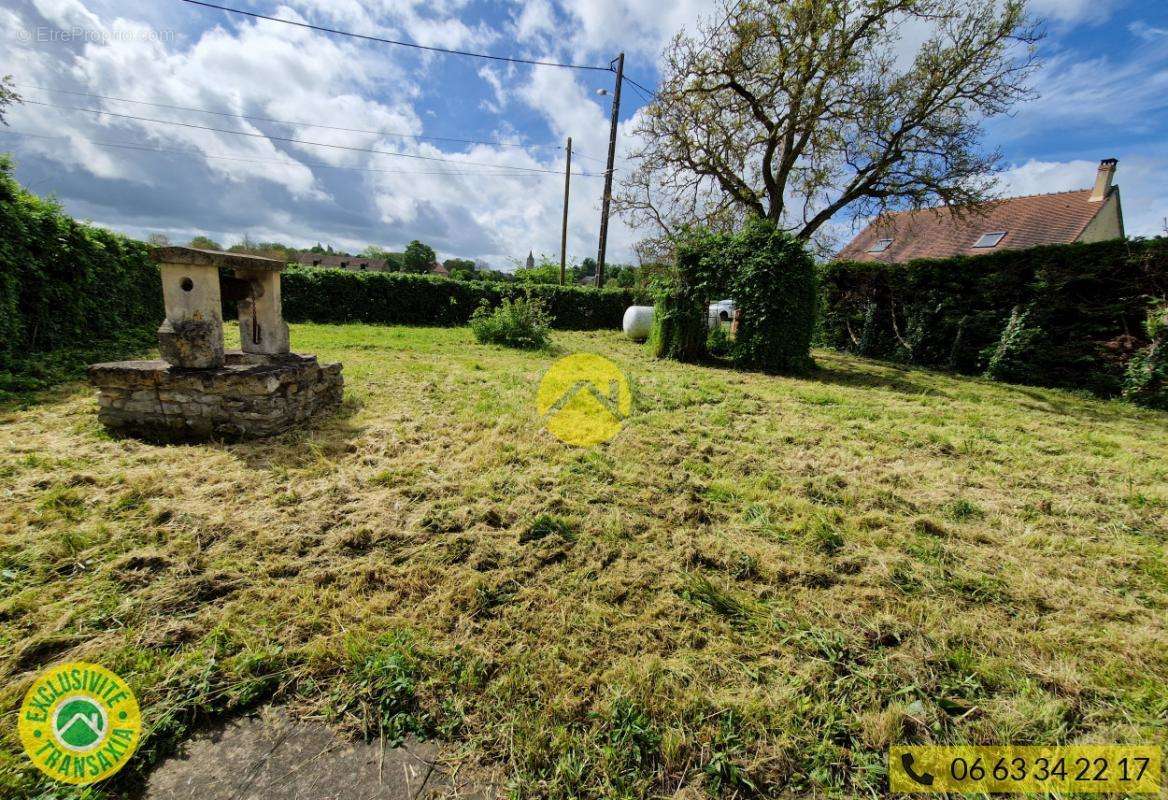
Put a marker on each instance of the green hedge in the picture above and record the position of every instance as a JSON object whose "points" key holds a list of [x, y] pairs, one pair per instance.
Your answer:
{"points": [[1066, 316], [771, 279], [69, 292], [396, 298]]}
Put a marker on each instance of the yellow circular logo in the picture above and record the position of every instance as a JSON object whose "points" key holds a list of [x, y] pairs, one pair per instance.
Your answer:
{"points": [[79, 723], [584, 399]]}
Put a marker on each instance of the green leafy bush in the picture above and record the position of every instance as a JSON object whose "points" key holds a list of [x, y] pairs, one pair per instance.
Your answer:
{"points": [[1061, 315], [772, 281], [521, 323], [1146, 380], [770, 277], [719, 343], [69, 293], [682, 301], [395, 298]]}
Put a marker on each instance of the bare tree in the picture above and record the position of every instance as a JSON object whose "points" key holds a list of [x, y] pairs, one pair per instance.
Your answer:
{"points": [[796, 110], [7, 96]]}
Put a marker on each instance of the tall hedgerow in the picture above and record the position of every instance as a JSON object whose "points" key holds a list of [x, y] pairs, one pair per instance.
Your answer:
{"points": [[66, 289], [1063, 315]]}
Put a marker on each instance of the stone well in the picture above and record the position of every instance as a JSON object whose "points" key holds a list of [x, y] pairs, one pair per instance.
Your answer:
{"points": [[201, 391]]}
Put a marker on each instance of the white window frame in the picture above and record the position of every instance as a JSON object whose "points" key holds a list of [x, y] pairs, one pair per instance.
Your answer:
{"points": [[881, 245]]}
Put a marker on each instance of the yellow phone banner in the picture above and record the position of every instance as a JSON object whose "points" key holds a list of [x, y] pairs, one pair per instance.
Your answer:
{"points": [[1100, 768]]}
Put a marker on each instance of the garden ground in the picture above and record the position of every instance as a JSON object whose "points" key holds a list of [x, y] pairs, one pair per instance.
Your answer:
{"points": [[760, 584]]}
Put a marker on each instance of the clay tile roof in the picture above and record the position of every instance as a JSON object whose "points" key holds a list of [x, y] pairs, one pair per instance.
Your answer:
{"points": [[938, 233]]}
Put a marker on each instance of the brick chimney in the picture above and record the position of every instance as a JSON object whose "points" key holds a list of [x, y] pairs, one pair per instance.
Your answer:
{"points": [[1103, 179]]}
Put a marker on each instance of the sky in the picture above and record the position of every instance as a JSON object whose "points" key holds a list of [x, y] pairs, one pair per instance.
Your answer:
{"points": [[1102, 93]]}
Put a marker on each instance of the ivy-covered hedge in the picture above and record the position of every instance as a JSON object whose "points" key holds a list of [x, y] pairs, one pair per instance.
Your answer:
{"points": [[69, 292], [1066, 316], [771, 279], [396, 298]]}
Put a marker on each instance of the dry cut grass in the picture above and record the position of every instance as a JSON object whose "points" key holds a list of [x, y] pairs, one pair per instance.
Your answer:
{"points": [[753, 590]]}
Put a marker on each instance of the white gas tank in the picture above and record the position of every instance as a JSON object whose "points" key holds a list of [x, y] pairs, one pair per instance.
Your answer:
{"points": [[638, 323]]}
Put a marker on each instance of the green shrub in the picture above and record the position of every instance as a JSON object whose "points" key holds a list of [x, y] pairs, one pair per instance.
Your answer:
{"points": [[1060, 316], [772, 282], [681, 309], [396, 298], [1007, 361], [69, 292], [770, 277], [1146, 380], [519, 323], [718, 343]]}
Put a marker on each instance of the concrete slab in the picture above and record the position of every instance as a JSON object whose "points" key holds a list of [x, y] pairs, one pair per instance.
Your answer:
{"points": [[270, 756]]}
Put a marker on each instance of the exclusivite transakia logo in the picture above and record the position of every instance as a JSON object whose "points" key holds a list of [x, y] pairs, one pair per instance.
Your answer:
{"points": [[79, 723]]}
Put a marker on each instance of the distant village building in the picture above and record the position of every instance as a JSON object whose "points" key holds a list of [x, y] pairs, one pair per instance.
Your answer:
{"points": [[331, 261], [531, 259], [1086, 215]]}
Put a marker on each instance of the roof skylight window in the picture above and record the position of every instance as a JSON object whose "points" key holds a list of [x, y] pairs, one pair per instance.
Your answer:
{"points": [[988, 240]]}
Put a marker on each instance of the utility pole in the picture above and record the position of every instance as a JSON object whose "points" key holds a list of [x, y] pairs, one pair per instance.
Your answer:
{"points": [[607, 202], [564, 235]]}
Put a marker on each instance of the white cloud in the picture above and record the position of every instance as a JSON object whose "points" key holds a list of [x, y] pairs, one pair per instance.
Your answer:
{"points": [[1106, 91], [1073, 11], [463, 208], [1143, 183], [1148, 33], [1044, 177], [643, 27], [67, 14]]}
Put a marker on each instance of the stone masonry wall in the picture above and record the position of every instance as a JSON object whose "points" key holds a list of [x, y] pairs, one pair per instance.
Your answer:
{"points": [[249, 396]]}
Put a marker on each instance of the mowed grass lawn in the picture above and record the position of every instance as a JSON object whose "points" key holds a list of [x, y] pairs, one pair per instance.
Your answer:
{"points": [[759, 585]]}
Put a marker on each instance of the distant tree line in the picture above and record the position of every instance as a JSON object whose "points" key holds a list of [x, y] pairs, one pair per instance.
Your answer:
{"points": [[419, 258]]}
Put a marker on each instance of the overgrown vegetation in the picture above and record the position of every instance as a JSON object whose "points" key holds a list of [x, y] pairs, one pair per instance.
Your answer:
{"points": [[1069, 315], [770, 277], [681, 310], [753, 590], [1146, 381], [69, 293], [522, 323]]}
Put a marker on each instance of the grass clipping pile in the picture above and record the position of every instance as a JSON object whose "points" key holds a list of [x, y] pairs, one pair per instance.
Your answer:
{"points": [[756, 587]]}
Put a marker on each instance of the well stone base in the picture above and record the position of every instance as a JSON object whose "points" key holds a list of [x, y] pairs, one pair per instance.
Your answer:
{"points": [[249, 396]]}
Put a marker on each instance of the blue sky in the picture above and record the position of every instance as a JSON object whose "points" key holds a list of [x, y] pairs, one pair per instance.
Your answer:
{"points": [[1103, 91]]}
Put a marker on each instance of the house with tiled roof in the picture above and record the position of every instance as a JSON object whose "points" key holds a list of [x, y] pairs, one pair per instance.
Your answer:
{"points": [[1015, 223]]}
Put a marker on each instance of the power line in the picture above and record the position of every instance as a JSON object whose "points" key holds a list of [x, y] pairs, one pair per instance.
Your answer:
{"points": [[414, 45], [288, 162], [648, 94], [337, 32], [282, 121], [307, 142]]}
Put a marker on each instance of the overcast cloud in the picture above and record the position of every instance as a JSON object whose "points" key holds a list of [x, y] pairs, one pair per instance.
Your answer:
{"points": [[458, 197]]}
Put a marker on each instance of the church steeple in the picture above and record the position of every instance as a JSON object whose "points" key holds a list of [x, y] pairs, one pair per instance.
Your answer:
{"points": [[531, 259]]}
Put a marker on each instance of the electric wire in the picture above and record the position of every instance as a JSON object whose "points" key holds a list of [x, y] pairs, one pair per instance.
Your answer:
{"points": [[288, 139], [257, 160], [281, 121], [414, 45]]}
